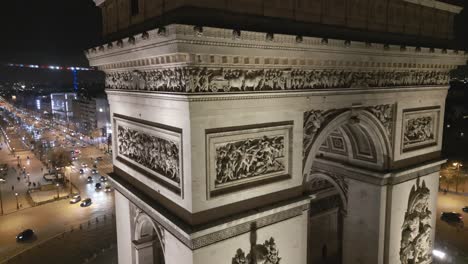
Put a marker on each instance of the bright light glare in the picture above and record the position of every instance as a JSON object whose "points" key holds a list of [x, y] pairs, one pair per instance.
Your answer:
{"points": [[438, 253]]}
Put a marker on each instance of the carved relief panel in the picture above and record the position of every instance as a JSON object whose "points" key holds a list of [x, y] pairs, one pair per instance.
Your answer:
{"points": [[420, 128], [152, 149], [244, 157], [416, 243]]}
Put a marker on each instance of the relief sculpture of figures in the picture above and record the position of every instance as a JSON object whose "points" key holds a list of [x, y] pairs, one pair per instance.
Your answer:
{"points": [[416, 241], [419, 130], [209, 80], [312, 122], [267, 253], [157, 154], [384, 113], [249, 158]]}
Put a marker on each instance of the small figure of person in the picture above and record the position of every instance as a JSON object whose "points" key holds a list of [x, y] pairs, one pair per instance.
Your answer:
{"points": [[34, 184], [12, 187], [18, 178]]}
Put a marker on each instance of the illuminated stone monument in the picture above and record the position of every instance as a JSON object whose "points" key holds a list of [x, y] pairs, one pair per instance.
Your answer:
{"points": [[247, 145]]}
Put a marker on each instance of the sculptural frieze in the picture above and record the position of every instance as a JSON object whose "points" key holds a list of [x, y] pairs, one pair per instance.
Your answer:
{"points": [[266, 253], [249, 158], [155, 153], [212, 80], [420, 128], [416, 243]]}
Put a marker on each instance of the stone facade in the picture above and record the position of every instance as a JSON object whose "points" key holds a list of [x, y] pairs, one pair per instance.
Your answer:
{"points": [[232, 142]]}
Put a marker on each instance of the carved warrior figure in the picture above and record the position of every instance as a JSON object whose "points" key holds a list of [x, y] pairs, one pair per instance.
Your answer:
{"points": [[249, 158], [157, 154], [202, 79], [264, 254], [416, 241]]}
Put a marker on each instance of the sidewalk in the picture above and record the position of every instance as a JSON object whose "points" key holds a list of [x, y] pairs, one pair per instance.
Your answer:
{"points": [[40, 197]]}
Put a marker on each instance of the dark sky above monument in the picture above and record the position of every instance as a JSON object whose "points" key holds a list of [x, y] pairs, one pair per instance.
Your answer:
{"points": [[57, 31]]}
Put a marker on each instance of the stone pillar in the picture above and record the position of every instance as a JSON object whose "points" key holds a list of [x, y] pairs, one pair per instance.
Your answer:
{"points": [[123, 224], [144, 250]]}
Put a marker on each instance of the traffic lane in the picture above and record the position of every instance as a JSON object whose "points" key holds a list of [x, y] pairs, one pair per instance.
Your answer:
{"points": [[452, 234], [50, 219]]}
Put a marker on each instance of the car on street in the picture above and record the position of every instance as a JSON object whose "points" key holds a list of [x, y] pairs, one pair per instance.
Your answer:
{"points": [[465, 209], [94, 171], [90, 179], [75, 199], [451, 217], [103, 178], [81, 171], [74, 158], [99, 158], [25, 235], [84, 165], [86, 202], [98, 186], [2, 180], [108, 188]]}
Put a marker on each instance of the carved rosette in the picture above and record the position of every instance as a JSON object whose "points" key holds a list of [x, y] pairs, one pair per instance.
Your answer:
{"points": [[213, 80], [416, 244], [267, 253], [384, 113]]}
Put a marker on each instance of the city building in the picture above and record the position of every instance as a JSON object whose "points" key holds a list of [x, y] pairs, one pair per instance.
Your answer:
{"points": [[62, 105], [91, 114], [43, 104], [276, 131]]}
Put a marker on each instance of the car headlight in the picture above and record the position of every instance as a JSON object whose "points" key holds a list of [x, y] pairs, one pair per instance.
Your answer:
{"points": [[20, 237]]}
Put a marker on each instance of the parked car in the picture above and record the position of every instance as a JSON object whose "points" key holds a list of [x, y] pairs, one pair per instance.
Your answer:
{"points": [[99, 158], [86, 202], [108, 189], [94, 171], [103, 178], [25, 235], [75, 199], [465, 209], [81, 171], [90, 179], [451, 217], [98, 186]]}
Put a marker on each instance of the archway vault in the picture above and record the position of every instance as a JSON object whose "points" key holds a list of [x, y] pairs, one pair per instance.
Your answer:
{"points": [[356, 127], [358, 137]]}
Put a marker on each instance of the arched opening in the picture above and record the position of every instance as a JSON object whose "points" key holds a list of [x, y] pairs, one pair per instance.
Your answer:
{"points": [[349, 141], [149, 241]]}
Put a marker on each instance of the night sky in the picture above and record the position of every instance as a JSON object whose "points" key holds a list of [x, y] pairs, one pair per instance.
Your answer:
{"points": [[48, 31], [57, 31]]}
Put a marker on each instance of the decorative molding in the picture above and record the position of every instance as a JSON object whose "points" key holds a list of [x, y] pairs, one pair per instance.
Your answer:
{"points": [[238, 158], [243, 228], [151, 149], [416, 243], [215, 80], [420, 128]]}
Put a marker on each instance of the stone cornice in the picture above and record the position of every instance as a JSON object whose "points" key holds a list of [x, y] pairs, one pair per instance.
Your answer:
{"points": [[437, 5], [188, 97], [177, 34]]}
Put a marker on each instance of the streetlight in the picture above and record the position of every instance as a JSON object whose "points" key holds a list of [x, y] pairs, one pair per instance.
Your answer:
{"points": [[17, 203], [1, 201], [58, 194], [457, 165]]}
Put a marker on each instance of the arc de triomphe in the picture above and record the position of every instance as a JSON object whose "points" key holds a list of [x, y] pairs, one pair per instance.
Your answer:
{"points": [[235, 146]]}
